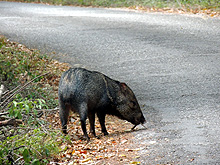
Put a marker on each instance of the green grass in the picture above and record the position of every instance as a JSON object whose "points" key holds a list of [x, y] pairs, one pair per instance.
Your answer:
{"points": [[178, 4]]}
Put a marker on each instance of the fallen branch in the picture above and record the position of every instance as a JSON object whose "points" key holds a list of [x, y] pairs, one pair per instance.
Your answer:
{"points": [[6, 93], [8, 99], [55, 109], [14, 122], [20, 158], [17, 148], [2, 118], [5, 113]]}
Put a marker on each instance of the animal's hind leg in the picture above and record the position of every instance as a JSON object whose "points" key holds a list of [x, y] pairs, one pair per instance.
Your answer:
{"points": [[83, 117], [64, 114]]}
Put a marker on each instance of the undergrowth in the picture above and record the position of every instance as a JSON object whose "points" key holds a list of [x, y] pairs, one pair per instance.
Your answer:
{"points": [[30, 82]]}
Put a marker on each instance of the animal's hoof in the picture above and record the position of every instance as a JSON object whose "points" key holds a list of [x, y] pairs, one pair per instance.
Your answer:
{"points": [[105, 133], [133, 127], [65, 132]]}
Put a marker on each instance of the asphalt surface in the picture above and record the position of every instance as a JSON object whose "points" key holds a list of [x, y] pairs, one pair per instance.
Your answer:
{"points": [[172, 63]]}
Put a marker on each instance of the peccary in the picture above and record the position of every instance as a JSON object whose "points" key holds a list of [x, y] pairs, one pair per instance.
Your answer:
{"points": [[89, 92]]}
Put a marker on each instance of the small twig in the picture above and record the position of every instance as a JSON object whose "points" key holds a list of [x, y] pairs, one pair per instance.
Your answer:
{"points": [[4, 93], [144, 126], [40, 112], [13, 122], [55, 109], [36, 151], [15, 162], [43, 127], [5, 113], [2, 118], [17, 148]]}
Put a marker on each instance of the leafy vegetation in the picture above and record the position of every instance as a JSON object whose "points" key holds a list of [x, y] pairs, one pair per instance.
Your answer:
{"points": [[29, 119], [30, 82]]}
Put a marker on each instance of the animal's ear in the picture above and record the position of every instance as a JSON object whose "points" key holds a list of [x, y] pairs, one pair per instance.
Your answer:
{"points": [[123, 87]]}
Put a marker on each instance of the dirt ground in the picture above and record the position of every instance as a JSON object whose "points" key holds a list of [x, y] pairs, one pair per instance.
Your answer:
{"points": [[112, 149]]}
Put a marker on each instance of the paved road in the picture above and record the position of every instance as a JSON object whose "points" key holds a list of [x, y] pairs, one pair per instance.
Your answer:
{"points": [[172, 62]]}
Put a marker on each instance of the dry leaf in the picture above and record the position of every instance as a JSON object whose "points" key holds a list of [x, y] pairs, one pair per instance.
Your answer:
{"points": [[63, 147], [123, 141], [68, 156], [135, 162], [82, 151], [86, 160]]}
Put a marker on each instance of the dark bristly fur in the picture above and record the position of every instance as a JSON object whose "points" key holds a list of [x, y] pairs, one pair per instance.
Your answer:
{"points": [[89, 92]]}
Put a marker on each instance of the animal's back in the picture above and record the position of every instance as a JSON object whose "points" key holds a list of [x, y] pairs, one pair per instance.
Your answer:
{"points": [[78, 84]]}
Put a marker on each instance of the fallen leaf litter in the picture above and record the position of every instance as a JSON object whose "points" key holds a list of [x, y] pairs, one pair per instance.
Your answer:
{"points": [[111, 149]]}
